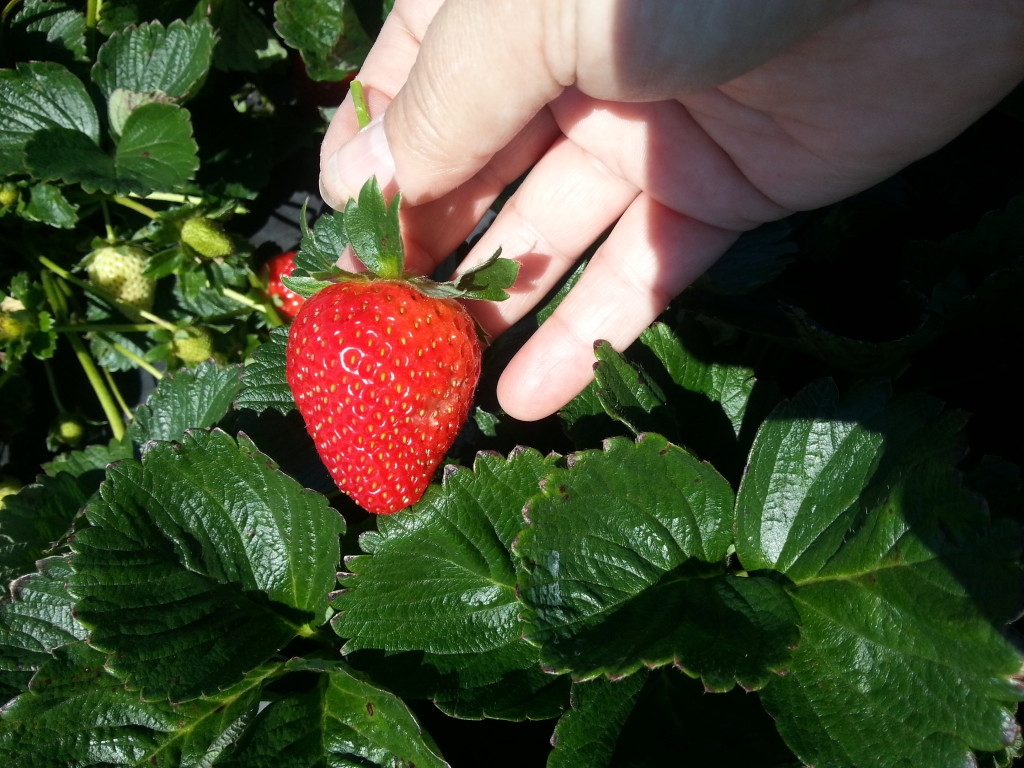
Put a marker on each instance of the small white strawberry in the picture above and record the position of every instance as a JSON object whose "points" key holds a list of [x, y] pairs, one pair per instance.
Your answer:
{"points": [[192, 345], [119, 270]]}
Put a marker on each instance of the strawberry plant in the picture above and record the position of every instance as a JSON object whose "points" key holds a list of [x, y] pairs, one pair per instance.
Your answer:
{"points": [[781, 529]]}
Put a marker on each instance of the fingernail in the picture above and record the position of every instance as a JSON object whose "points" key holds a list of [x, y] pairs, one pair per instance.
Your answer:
{"points": [[366, 154]]}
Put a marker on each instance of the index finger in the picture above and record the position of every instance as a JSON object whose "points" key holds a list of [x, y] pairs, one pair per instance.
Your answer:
{"points": [[386, 68]]}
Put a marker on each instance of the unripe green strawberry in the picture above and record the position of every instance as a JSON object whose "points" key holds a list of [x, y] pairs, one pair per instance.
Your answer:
{"points": [[11, 327], [384, 377], [69, 430], [8, 194], [8, 487], [192, 345], [206, 237], [118, 270]]}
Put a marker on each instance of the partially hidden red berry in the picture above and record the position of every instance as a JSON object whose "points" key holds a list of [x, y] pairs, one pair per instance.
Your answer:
{"points": [[276, 267], [384, 378]]}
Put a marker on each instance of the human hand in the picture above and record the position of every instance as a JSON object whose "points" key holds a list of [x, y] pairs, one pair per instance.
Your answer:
{"points": [[672, 126]]}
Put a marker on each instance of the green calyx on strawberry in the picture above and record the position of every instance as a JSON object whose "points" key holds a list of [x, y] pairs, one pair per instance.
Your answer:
{"points": [[383, 365], [119, 270]]}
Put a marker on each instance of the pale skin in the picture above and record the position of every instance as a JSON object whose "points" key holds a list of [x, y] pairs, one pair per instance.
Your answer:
{"points": [[672, 126]]}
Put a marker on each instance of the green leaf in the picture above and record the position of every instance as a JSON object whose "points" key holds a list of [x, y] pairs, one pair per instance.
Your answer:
{"points": [[245, 43], [190, 398], [714, 403], [152, 58], [304, 286], [47, 204], [587, 734], [37, 518], [371, 225], [544, 312], [71, 156], [78, 713], [322, 245], [488, 281], [467, 624], [866, 358], [35, 620], [343, 720], [156, 152], [902, 584], [809, 467], [627, 394], [315, 261], [264, 380], [44, 30], [201, 562], [40, 96], [658, 717], [586, 421], [122, 102], [90, 463], [754, 260], [728, 385], [625, 562], [327, 33]]}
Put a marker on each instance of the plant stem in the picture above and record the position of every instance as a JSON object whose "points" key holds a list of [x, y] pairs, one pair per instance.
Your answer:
{"points": [[112, 385], [111, 236], [141, 363], [52, 383], [108, 327], [156, 320], [54, 297], [134, 205], [8, 9], [241, 298], [92, 13], [175, 197], [92, 373], [92, 18]]}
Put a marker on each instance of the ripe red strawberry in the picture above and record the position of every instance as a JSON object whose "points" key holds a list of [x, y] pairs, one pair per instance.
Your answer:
{"points": [[384, 377], [383, 366], [274, 269]]}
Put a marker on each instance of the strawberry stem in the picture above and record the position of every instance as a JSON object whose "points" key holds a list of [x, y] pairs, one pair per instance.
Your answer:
{"points": [[112, 386], [58, 304], [108, 327], [359, 100], [92, 17], [273, 319], [51, 382], [144, 365], [92, 373], [136, 206]]}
